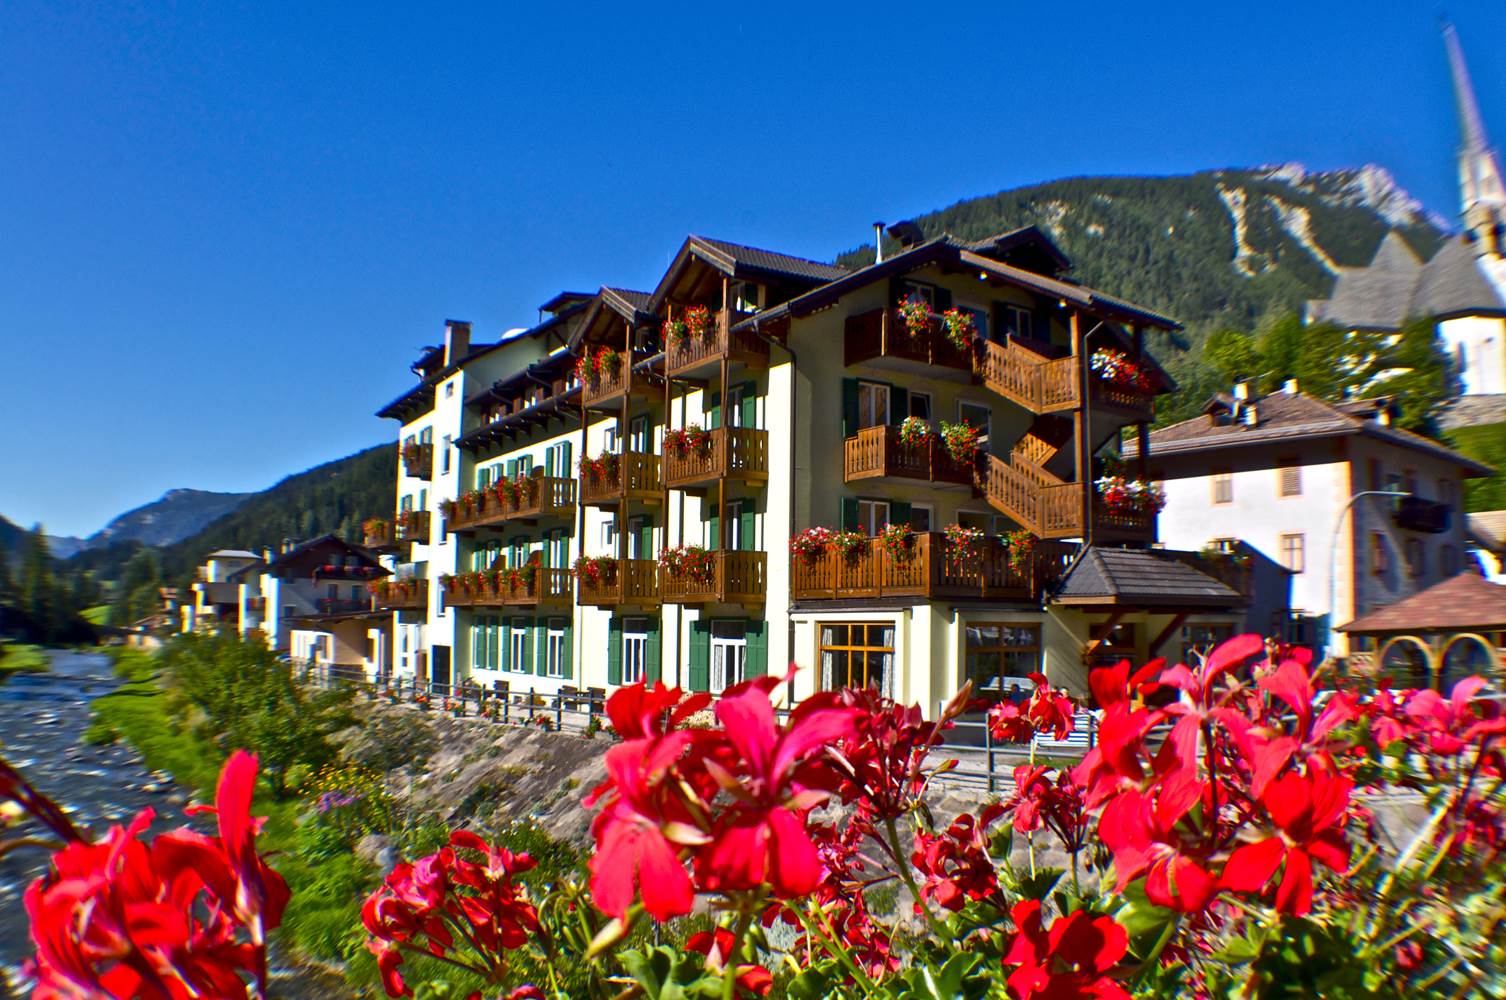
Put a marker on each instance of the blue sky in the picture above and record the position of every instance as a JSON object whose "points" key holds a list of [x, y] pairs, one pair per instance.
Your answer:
{"points": [[226, 228]]}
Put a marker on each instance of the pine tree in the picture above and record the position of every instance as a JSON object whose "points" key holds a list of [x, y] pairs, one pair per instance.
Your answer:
{"points": [[38, 594]]}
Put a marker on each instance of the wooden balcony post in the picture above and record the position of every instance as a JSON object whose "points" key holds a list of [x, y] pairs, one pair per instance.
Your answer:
{"points": [[1081, 426]]}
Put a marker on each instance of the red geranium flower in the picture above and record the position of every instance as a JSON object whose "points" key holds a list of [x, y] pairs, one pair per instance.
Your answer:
{"points": [[717, 945], [1068, 962], [1309, 811]]}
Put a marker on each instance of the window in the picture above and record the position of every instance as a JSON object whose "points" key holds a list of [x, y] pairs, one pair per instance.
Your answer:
{"points": [[444, 462], [873, 404], [1223, 487], [517, 647], [918, 290], [554, 648], [873, 515], [332, 592], [734, 530], [1290, 480], [920, 517], [641, 537], [999, 658], [449, 389], [980, 319], [639, 439], [734, 407], [1417, 561], [975, 415], [634, 649], [746, 296], [1199, 638], [729, 653], [1380, 553], [613, 438], [920, 405], [1015, 321], [355, 593], [856, 655], [609, 534], [1294, 552]]}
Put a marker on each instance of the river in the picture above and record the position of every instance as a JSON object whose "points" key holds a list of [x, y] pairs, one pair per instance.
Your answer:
{"points": [[42, 722]]}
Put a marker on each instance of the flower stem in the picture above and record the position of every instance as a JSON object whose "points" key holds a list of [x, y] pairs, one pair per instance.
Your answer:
{"points": [[903, 863], [730, 960]]}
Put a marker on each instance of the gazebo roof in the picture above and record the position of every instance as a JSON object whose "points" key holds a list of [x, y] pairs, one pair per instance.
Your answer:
{"points": [[1466, 601]]}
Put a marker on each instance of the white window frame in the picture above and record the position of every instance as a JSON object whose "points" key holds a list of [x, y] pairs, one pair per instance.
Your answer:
{"points": [[734, 518], [517, 649], [1015, 314], [609, 534], [732, 406], [634, 650], [729, 654], [963, 405], [930, 405], [612, 437], [444, 465], [554, 648], [868, 511], [925, 291]]}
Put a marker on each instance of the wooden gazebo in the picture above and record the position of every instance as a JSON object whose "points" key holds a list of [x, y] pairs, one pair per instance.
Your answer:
{"points": [[1435, 637]]}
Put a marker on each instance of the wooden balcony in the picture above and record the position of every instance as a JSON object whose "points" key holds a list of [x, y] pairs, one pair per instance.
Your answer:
{"points": [[735, 578], [881, 337], [544, 496], [1110, 526], [379, 534], [697, 355], [402, 595], [606, 392], [418, 459], [1026, 376], [1050, 508], [534, 586], [878, 453], [536, 497], [1126, 401], [413, 526], [931, 569], [734, 452], [630, 583], [636, 476]]}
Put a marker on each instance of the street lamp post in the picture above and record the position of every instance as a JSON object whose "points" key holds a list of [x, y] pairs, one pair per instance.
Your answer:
{"points": [[1333, 553]]}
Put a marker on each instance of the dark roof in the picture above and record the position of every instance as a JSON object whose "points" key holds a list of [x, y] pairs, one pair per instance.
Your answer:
{"points": [[745, 258], [1466, 601], [1141, 578], [972, 256], [282, 559], [1292, 417], [562, 300], [1397, 286]]}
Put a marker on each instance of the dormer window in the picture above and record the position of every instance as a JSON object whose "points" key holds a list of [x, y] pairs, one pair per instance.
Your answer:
{"points": [[746, 297], [919, 290], [1016, 321]]}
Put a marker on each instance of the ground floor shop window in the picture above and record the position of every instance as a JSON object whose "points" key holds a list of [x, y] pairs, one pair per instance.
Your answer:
{"points": [[859, 654], [999, 657], [1199, 639], [729, 654]]}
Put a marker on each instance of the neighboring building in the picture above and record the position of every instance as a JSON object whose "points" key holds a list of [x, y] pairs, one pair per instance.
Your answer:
{"points": [[217, 590], [1435, 638], [752, 396], [1487, 535], [1463, 287], [316, 595], [1278, 473]]}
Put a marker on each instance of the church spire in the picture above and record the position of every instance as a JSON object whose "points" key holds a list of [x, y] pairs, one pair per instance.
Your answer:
{"points": [[1480, 179]]}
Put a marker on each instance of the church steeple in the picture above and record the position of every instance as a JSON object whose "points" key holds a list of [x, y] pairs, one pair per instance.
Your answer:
{"points": [[1481, 186]]}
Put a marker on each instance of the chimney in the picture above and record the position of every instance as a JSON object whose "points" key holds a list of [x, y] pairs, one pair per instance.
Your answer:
{"points": [[457, 340], [1241, 391], [1291, 387], [878, 242], [1251, 415]]}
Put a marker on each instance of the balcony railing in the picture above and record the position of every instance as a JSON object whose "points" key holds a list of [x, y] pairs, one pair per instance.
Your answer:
{"points": [[402, 595], [544, 496], [528, 498], [607, 388], [341, 605], [929, 568], [1138, 404], [694, 352], [418, 459], [413, 526], [735, 452], [480, 509], [1122, 526], [632, 476], [878, 452], [1051, 508], [1417, 514], [632, 582], [882, 334], [1039, 383], [528, 587], [734, 578]]}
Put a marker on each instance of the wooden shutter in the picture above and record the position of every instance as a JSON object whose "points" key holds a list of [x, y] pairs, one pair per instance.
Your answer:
{"points": [[849, 513], [715, 537], [749, 404], [646, 536], [540, 634], [614, 651], [563, 463], [746, 526], [699, 673], [551, 460], [653, 653], [504, 636], [713, 410], [850, 415], [512, 468], [757, 662], [565, 660]]}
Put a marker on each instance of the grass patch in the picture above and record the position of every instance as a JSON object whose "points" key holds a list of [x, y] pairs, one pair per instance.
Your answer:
{"points": [[1485, 443], [97, 615], [17, 658]]}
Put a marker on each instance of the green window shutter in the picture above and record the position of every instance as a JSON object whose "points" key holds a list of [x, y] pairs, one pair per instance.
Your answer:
{"points": [[540, 647], [525, 464], [563, 465], [849, 513], [899, 403], [849, 407], [699, 673], [653, 653], [943, 299], [713, 409], [478, 646], [749, 404], [715, 537], [757, 662], [899, 512], [493, 642], [614, 651], [504, 635], [568, 671], [646, 537], [512, 467], [747, 526], [549, 461]]}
